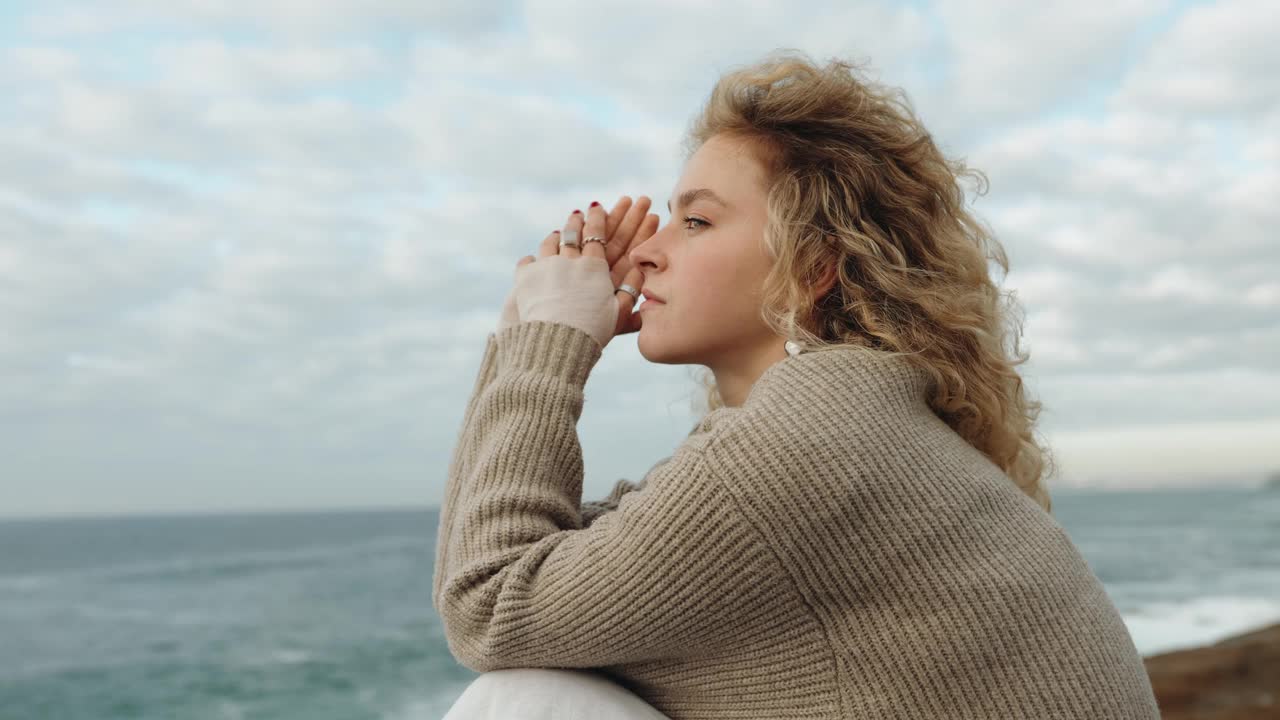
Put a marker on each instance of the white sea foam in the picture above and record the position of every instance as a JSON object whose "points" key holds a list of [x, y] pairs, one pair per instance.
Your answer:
{"points": [[276, 656], [23, 583], [1163, 626], [229, 710]]}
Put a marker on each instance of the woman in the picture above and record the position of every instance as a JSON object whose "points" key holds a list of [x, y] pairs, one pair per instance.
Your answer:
{"points": [[858, 527]]}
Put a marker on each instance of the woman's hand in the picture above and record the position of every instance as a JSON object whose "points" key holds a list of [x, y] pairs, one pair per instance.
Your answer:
{"points": [[628, 225], [571, 286]]}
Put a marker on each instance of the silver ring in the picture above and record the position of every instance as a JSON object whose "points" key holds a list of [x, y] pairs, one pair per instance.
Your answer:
{"points": [[635, 294], [569, 238], [596, 238]]}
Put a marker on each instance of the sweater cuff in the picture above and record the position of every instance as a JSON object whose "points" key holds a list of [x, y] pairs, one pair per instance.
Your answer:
{"points": [[548, 348]]}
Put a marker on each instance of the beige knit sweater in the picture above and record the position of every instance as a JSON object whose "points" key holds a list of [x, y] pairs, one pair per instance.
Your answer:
{"points": [[829, 549]]}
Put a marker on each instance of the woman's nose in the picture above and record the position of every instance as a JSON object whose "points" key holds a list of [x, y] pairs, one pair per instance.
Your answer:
{"points": [[636, 261], [641, 256]]}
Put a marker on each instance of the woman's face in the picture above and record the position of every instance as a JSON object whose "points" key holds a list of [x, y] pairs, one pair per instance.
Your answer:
{"points": [[709, 268]]}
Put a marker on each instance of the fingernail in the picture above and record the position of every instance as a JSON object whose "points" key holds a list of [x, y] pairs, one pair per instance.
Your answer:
{"points": [[555, 231], [594, 203], [577, 212]]}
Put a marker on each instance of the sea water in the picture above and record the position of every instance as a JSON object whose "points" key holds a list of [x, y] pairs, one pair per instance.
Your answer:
{"points": [[329, 615]]}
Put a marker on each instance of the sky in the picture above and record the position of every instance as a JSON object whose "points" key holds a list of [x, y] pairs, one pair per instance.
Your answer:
{"points": [[250, 252]]}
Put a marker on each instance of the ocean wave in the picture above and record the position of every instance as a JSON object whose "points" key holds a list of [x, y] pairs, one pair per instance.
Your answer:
{"points": [[25, 583], [174, 618], [215, 565], [1159, 627], [276, 656]]}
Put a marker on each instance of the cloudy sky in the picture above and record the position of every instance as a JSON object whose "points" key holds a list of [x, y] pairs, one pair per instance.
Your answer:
{"points": [[250, 252]]}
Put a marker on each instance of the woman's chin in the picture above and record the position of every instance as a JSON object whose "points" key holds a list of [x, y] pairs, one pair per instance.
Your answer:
{"points": [[648, 344], [645, 346], [656, 349]]}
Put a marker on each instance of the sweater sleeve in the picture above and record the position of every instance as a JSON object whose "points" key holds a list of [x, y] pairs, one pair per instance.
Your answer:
{"points": [[674, 571], [592, 509], [460, 462]]}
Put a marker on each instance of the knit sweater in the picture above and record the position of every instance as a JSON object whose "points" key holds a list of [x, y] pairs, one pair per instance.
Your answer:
{"points": [[828, 549]]}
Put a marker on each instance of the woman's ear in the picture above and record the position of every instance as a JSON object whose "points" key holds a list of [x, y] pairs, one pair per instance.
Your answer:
{"points": [[825, 283]]}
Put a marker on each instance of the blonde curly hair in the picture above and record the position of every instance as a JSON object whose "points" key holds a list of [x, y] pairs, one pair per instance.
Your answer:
{"points": [[854, 181]]}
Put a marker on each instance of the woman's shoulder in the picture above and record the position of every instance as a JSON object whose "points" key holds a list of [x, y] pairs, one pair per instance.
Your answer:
{"points": [[806, 403], [840, 376]]}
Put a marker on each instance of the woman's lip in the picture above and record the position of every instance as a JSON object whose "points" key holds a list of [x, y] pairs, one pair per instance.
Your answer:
{"points": [[647, 303]]}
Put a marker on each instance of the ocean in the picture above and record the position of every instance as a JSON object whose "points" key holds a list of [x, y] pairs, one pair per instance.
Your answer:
{"points": [[328, 615]]}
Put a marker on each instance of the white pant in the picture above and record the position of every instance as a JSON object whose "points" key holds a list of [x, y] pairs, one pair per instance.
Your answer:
{"points": [[548, 694]]}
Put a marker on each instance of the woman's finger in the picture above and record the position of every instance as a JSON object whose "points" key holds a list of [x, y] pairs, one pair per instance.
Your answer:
{"points": [[572, 227], [634, 323], [618, 212], [620, 240], [628, 319], [646, 230], [550, 245], [594, 227]]}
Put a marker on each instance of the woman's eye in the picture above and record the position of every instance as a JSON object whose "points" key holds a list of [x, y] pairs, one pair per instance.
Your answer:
{"points": [[695, 220]]}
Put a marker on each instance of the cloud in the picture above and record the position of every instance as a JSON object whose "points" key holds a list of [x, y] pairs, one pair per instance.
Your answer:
{"points": [[249, 252], [216, 66], [1011, 60], [1214, 61], [65, 19]]}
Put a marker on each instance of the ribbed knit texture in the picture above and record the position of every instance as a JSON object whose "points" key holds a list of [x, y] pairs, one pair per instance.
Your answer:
{"points": [[829, 549]]}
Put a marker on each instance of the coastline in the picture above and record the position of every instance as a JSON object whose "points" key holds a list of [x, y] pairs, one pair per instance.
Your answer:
{"points": [[1236, 678]]}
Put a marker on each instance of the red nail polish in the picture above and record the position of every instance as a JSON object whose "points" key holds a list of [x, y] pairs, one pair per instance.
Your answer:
{"points": [[577, 212], [594, 203]]}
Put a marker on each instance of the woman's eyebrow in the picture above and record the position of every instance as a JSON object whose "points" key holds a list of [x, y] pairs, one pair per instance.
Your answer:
{"points": [[689, 196]]}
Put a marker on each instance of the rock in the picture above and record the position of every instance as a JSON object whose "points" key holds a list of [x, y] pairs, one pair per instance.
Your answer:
{"points": [[1234, 679]]}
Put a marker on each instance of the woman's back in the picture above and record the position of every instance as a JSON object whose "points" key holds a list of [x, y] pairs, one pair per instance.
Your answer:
{"points": [[827, 549], [919, 581]]}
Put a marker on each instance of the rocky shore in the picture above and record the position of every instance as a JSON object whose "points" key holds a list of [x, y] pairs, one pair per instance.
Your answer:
{"points": [[1234, 679]]}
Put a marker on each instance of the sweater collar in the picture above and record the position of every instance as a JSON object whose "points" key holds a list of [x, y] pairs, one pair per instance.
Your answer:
{"points": [[830, 378]]}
